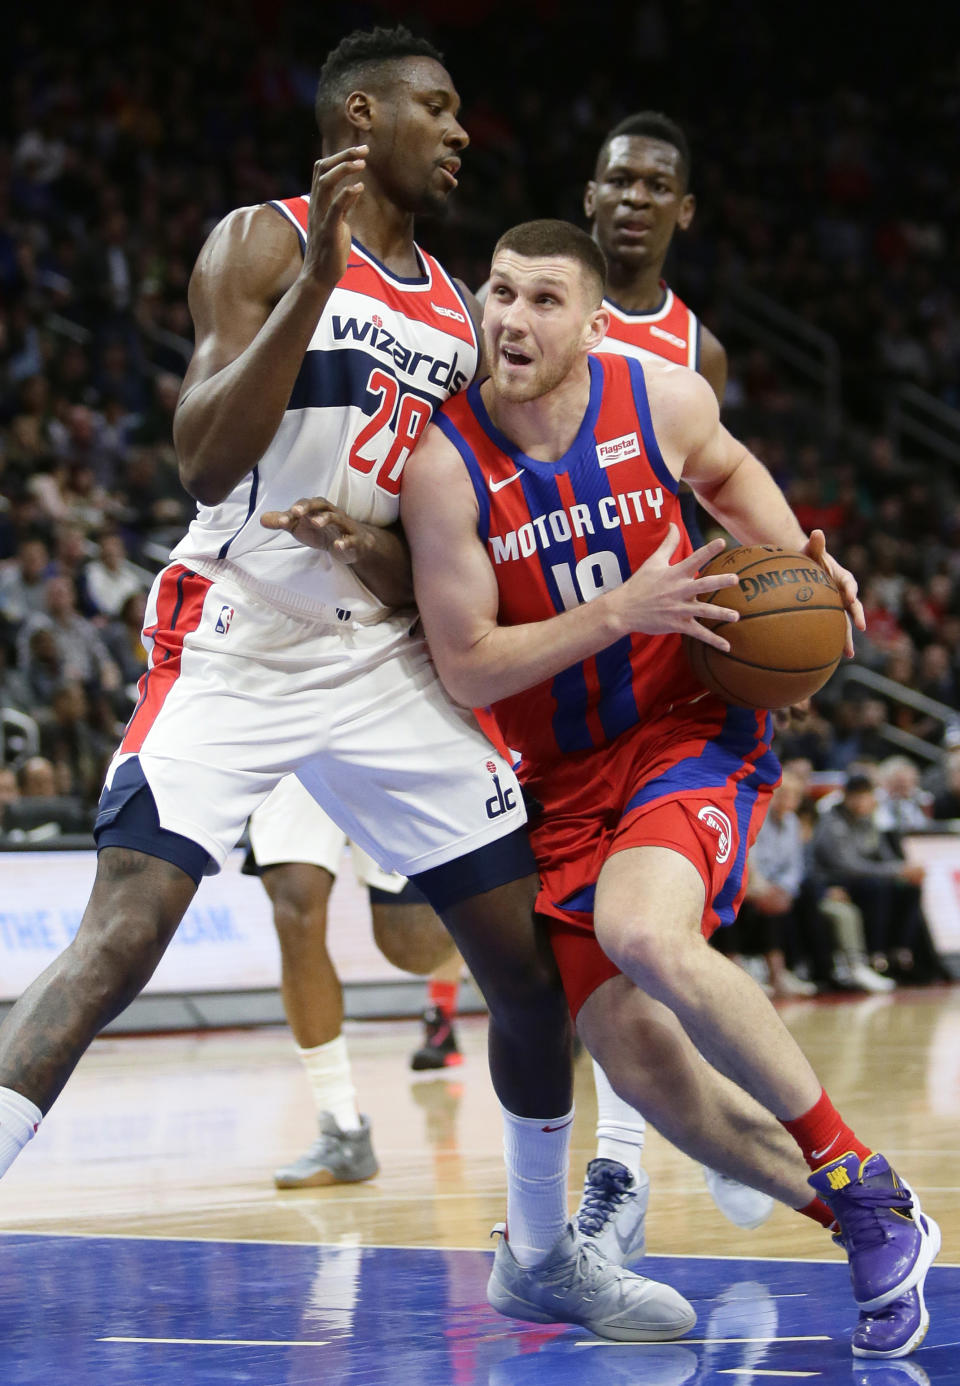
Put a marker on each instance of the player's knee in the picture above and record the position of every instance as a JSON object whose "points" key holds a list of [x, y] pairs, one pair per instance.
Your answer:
{"points": [[411, 937], [525, 994], [299, 893], [115, 953], [663, 957], [635, 942], [298, 921]]}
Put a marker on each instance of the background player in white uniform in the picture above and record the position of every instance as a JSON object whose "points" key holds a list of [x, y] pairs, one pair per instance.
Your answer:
{"points": [[297, 850], [324, 340]]}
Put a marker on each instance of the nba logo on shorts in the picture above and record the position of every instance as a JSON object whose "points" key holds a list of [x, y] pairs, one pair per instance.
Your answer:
{"points": [[714, 819], [223, 620]]}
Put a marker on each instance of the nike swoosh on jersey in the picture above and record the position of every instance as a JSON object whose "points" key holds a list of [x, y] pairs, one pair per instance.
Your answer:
{"points": [[499, 485]]}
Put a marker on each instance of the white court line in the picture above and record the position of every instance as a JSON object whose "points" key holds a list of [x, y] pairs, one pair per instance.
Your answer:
{"points": [[222, 1342], [755, 1371], [682, 1342]]}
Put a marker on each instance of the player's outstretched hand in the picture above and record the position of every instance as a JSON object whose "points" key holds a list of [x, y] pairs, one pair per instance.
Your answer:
{"points": [[320, 524], [332, 195], [661, 598], [816, 548]]}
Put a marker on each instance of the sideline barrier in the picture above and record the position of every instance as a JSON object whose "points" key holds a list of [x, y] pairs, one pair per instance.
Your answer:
{"points": [[223, 966]]}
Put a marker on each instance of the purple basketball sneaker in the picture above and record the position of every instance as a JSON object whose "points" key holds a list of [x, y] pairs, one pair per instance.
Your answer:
{"points": [[889, 1246], [900, 1326]]}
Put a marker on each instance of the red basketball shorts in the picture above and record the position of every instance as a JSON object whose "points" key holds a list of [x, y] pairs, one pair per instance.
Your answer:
{"points": [[696, 780]]}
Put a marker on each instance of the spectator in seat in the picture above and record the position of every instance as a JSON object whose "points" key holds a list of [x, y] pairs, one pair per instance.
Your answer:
{"points": [[38, 779], [111, 578], [946, 803], [850, 852], [768, 915], [23, 581], [82, 653], [902, 806], [123, 637], [77, 750]]}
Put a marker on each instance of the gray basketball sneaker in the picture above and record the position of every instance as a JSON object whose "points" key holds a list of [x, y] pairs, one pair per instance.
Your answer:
{"points": [[336, 1157], [574, 1284], [613, 1210]]}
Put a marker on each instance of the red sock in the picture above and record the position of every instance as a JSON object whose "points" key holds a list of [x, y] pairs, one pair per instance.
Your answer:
{"points": [[443, 995], [823, 1135], [819, 1211]]}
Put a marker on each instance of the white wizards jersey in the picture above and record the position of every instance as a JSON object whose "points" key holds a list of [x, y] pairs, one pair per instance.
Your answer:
{"points": [[386, 353], [670, 332]]}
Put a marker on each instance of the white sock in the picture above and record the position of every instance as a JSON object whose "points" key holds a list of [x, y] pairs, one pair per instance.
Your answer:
{"points": [[19, 1119], [620, 1130], [331, 1081], [536, 1151]]}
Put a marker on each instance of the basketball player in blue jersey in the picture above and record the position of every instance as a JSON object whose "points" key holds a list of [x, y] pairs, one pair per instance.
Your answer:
{"points": [[638, 198], [542, 514], [325, 338]]}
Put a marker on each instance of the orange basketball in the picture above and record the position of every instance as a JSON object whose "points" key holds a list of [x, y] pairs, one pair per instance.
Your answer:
{"points": [[790, 635]]}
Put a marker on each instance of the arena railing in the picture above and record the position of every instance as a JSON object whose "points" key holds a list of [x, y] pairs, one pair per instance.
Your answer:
{"points": [[812, 353], [916, 416], [907, 697]]}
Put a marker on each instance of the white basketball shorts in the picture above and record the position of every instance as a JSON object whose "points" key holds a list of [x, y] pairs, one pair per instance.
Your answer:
{"points": [[238, 695], [291, 826]]}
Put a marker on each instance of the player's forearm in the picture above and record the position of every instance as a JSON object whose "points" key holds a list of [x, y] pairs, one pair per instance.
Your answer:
{"points": [[224, 424], [510, 659], [384, 565], [751, 506]]}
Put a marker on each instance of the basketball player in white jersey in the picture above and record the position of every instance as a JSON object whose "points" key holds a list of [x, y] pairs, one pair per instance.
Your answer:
{"points": [[325, 339], [297, 851]]}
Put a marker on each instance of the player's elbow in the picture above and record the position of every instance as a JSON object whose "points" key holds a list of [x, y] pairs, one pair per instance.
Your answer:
{"points": [[458, 688], [459, 680], [201, 487], [208, 479]]}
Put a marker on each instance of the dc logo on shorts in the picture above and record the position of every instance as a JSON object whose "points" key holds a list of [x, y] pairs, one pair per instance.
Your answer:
{"points": [[223, 620], [719, 823], [343, 614], [504, 800]]}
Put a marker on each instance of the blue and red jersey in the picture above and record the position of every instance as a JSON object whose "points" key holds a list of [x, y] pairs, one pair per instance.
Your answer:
{"points": [[559, 534]]}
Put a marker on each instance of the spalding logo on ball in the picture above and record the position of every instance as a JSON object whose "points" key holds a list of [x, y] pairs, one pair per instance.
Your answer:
{"points": [[790, 635]]}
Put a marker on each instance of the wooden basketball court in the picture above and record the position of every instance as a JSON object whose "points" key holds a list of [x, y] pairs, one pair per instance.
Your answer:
{"points": [[153, 1176]]}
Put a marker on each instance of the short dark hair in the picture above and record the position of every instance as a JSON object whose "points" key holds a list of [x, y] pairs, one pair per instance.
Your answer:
{"points": [[653, 125], [858, 784], [551, 237], [357, 56]]}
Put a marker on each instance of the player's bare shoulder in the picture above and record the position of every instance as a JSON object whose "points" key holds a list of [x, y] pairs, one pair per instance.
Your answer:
{"points": [[683, 407], [433, 462], [435, 486], [253, 248]]}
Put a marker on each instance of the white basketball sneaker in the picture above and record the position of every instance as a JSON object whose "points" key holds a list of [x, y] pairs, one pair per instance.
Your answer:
{"points": [[574, 1284], [613, 1210], [743, 1206]]}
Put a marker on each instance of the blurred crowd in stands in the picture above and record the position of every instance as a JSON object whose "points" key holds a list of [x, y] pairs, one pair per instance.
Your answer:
{"points": [[126, 135]]}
